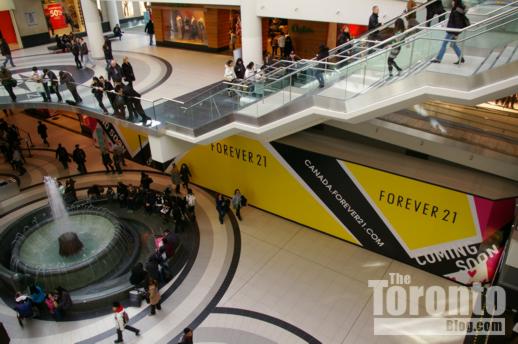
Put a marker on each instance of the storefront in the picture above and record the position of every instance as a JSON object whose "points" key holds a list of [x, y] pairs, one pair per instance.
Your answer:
{"points": [[63, 16], [197, 27]]}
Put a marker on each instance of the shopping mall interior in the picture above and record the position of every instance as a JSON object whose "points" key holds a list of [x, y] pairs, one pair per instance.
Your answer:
{"points": [[251, 171]]}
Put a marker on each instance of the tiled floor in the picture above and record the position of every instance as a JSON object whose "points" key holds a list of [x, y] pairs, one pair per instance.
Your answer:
{"points": [[267, 281]]}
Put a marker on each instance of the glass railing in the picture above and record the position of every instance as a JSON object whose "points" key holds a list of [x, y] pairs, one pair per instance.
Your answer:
{"points": [[349, 71]]}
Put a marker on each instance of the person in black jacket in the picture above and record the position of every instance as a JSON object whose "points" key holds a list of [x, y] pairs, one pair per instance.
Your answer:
{"points": [[322, 55], [133, 101], [54, 83], [221, 207], [97, 90], [150, 30], [110, 91], [6, 52], [67, 79], [240, 69], [457, 20], [107, 162], [107, 50], [42, 131], [76, 51], [433, 9], [79, 156], [127, 71], [115, 72], [62, 156], [374, 23], [117, 32]]}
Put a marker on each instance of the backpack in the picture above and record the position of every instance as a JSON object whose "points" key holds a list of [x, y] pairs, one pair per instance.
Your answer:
{"points": [[244, 201], [125, 317]]}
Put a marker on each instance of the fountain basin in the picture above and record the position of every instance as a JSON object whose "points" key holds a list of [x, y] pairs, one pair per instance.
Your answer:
{"points": [[106, 243]]}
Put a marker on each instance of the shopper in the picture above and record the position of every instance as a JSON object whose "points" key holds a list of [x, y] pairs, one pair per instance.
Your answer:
{"points": [[115, 73], [53, 83], [23, 307], [154, 297], [190, 199], [6, 52], [236, 203], [240, 69], [117, 32], [399, 28], [322, 55], [98, 91], [37, 78], [145, 181], [133, 101], [457, 20], [85, 53], [139, 277], [230, 74], [187, 337], [79, 157], [221, 207], [110, 91], [185, 175], [107, 161], [121, 322], [175, 178], [282, 45], [18, 161], [76, 51], [150, 30], [64, 299], [6, 77], [67, 79], [62, 156], [42, 131], [117, 162], [107, 50], [118, 151], [374, 24], [433, 9], [288, 46], [52, 306], [120, 102], [127, 71]]}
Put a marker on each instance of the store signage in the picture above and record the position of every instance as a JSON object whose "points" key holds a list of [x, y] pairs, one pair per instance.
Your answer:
{"points": [[446, 232], [301, 29], [55, 16]]}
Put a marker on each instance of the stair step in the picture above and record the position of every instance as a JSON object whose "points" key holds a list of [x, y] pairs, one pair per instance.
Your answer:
{"points": [[489, 62], [515, 56], [505, 56]]}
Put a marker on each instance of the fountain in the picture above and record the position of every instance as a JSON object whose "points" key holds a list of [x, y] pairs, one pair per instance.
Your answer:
{"points": [[72, 248]]}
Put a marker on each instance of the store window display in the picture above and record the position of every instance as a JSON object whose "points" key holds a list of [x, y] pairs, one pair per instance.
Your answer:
{"points": [[63, 16], [186, 25]]}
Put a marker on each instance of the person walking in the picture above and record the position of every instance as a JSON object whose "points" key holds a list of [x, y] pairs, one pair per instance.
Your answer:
{"points": [[53, 84], [185, 175], [42, 131], [67, 79], [457, 20], [154, 297], [282, 45], [37, 78], [117, 163], [6, 52], [127, 71], [107, 161], [6, 78], [399, 28], [121, 322], [18, 161], [107, 50], [118, 151], [236, 203], [85, 53], [98, 91], [221, 207], [175, 178], [433, 9], [150, 30], [190, 199], [323, 54], [187, 337], [75, 49], [374, 24], [79, 157], [62, 156]]}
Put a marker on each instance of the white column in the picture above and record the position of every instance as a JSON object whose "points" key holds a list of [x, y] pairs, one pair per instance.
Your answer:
{"points": [[252, 33], [93, 28], [113, 13]]}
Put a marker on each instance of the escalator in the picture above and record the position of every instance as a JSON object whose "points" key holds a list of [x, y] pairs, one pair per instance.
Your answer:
{"points": [[287, 97]]}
